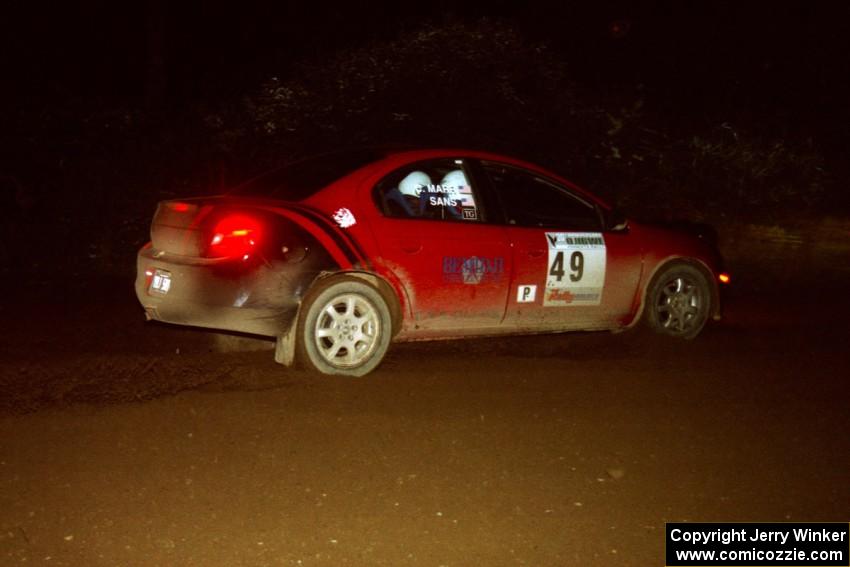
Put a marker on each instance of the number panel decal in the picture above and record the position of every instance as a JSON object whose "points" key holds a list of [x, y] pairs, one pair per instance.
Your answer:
{"points": [[576, 270]]}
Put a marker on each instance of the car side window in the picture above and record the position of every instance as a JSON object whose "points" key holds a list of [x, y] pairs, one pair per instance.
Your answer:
{"points": [[437, 189], [535, 201]]}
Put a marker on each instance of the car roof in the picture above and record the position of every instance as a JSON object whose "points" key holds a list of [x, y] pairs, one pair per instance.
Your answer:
{"points": [[381, 157]]}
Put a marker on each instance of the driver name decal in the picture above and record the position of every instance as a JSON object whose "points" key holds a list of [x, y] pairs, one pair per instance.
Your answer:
{"points": [[575, 272]]}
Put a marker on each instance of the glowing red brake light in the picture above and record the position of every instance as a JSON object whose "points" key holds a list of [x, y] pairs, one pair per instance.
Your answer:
{"points": [[234, 236]]}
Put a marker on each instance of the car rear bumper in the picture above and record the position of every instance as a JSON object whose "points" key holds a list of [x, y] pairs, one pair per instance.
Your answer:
{"points": [[231, 296]]}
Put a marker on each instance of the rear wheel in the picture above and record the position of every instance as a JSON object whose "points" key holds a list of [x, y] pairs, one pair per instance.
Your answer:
{"points": [[678, 302], [345, 329]]}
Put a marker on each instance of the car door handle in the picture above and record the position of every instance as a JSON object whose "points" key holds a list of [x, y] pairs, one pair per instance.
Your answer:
{"points": [[536, 253]]}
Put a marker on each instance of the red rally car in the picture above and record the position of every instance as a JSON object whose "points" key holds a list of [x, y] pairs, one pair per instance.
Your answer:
{"points": [[338, 255]]}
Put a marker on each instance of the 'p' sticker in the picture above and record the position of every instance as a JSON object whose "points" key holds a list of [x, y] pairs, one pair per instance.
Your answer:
{"points": [[575, 274], [526, 293]]}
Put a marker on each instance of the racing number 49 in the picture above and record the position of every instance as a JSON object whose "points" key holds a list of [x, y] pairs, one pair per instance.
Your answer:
{"points": [[576, 266]]}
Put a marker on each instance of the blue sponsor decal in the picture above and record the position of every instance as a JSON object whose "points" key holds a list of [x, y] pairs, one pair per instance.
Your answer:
{"points": [[472, 269]]}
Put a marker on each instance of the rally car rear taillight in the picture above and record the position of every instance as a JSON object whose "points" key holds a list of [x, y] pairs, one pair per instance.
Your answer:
{"points": [[234, 236]]}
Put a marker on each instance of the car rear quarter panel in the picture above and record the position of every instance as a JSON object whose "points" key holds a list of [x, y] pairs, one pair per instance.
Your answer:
{"points": [[259, 294], [354, 194]]}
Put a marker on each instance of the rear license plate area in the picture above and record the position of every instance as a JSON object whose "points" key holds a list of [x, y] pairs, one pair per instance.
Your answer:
{"points": [[160, 282]]}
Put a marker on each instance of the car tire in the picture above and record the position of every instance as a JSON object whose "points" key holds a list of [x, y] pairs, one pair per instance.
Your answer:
{"points": [[344, 329], [678, 302]]}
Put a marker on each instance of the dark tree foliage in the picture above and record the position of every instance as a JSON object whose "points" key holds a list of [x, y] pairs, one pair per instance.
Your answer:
{"points": [[716, 174], [85, 174], [449, 85], [483, 85]]}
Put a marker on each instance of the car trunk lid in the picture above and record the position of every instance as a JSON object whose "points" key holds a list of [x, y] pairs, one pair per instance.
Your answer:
{"points": [[178, 226]]}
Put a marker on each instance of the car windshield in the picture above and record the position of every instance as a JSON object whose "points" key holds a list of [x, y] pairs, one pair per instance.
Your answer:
{"points": [[300, 179]]}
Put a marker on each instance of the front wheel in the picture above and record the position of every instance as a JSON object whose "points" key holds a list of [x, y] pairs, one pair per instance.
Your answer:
{"points": [[678, 302], [345, 329]]}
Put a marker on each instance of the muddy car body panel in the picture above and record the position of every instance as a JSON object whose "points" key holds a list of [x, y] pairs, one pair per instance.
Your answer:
{"points": [[257, 290], [452, 243]]}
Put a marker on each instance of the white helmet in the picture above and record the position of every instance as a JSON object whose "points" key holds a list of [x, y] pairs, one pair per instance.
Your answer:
{"points": [[414, 183], [455, 180]]}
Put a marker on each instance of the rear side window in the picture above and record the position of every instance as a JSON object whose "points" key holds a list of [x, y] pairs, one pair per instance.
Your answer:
{"points": [[301, 179], [531, 200], [439, 189]]}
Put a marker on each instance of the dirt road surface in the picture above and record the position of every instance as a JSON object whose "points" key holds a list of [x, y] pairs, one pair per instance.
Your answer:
{"points": [[133, 444]]}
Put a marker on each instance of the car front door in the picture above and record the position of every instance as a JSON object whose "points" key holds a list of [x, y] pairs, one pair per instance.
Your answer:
{"points": [[569, 273], [434, 234]]}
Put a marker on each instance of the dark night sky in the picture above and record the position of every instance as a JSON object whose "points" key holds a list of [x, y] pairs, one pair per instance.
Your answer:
{"points": [[779, 62]]}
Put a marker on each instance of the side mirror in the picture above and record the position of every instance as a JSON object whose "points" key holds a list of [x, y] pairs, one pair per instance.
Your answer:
{"points": [[617, 221]]}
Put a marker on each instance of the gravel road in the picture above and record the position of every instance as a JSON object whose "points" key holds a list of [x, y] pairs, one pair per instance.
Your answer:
{"points": [[126, 443]]}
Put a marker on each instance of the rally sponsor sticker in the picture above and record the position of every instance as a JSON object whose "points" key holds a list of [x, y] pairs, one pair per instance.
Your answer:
{"points": [[344, 218], [473, 269], [575, 273], [526, 293]]}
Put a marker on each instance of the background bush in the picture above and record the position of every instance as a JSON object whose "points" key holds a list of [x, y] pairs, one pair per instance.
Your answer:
{"points": [[85, 175]]}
